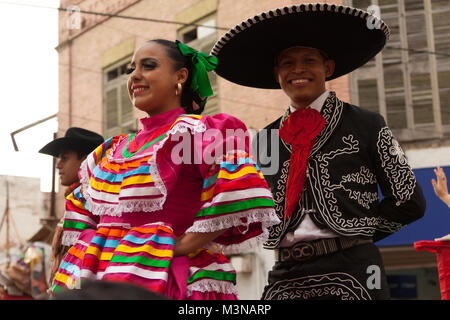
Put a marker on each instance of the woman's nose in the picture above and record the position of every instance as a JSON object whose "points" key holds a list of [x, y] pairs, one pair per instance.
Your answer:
{"points": [[135, 75]]}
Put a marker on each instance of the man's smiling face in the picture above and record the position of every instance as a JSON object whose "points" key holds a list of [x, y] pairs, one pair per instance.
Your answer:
{"points": [[301, 73]]}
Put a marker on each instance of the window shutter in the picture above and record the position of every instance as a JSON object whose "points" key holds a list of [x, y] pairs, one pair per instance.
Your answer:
{"points": [[441, 28], [444, 95], [422, 98], [112, 119], [126, 105], [368, 94]]}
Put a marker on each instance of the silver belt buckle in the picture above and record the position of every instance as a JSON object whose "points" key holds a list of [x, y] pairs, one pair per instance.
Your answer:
{"points": [[302, 251]]}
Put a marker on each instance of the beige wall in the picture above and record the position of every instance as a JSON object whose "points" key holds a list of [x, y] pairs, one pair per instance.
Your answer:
{"points": [[255, 107], [27, 205]]}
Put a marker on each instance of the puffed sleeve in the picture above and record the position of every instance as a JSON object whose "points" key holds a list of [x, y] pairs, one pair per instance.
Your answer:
{"points": [[78, 217], [235, 195]]}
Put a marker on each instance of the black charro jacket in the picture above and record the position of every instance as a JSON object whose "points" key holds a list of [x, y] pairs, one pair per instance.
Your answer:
{"points": [[354, 154]]}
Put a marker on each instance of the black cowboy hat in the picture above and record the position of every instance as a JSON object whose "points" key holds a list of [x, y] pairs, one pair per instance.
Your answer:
{"points": [[349, 36], [76, 139]]}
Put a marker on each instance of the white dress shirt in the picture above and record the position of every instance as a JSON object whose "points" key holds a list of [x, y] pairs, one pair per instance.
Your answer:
{"points": [[307, 230]]}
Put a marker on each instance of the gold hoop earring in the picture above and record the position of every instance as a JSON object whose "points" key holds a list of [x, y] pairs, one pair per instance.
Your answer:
{"points": [[178, 89]]}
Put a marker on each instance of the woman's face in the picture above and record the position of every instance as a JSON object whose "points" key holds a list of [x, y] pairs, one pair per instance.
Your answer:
{"points": [[153, 80]]}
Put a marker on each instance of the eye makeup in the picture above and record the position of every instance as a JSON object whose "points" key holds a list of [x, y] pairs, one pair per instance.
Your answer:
{"points": [[146, 63]]}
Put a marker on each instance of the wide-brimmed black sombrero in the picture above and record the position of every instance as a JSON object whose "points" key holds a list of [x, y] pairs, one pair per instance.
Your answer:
{"points": [[75, 139], [349, 36]]}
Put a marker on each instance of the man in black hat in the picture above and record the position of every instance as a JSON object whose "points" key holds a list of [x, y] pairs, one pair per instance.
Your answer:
{"points": [[71, 150], [331, 156]]}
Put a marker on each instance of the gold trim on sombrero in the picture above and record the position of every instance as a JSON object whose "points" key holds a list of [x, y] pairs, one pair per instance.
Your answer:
{"points": [[296, 9]]}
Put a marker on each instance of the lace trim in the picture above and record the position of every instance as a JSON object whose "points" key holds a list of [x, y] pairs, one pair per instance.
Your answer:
{"points": [[211, 285], [114, 147], [115, 210], [69, 238], [266, 216], [146, 205]]}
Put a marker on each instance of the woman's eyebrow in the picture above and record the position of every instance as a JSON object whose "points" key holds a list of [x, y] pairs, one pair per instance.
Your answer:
{"points": [[144, 60]]}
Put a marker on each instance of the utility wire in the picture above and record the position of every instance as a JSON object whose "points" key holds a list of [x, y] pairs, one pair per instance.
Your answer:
{"points": [[418, 51], [187, 24], [111, 15]]}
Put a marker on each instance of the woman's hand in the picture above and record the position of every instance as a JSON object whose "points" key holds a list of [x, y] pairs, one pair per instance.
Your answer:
{"points": [[191, 242], [445, 238], [440, 186]]}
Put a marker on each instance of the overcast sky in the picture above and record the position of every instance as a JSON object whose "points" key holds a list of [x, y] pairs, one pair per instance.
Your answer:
{"points": [[28, 85]]}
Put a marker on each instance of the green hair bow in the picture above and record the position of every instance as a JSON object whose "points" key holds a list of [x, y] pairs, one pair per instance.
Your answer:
{"points": [[201, 64]]}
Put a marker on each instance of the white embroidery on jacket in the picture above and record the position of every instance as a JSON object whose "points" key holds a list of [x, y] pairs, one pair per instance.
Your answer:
{"points": [[393, 161], [328, 204]]}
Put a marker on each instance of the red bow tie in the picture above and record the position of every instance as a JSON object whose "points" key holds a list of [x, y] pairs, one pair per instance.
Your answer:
{"points": [[299, 130]]}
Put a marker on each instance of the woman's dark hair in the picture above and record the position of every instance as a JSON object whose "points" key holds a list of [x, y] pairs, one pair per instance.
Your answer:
{"points": [[180, 61]]}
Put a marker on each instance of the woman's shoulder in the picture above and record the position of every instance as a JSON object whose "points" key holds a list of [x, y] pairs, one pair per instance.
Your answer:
{"points": [[107, 147], [110, 142]]}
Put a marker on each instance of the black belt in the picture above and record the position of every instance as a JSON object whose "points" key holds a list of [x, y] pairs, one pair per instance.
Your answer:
{"points": [[305, 250]]}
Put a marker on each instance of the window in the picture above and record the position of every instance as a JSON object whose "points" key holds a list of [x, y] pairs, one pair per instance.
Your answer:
{"points": [[118, 109], [203, 38], [406, 83]]}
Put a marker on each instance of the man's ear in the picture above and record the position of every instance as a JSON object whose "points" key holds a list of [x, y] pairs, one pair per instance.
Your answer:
{"points": [[329, 67]]}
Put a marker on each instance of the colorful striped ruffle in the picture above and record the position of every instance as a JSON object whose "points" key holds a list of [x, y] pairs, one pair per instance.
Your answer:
{"points": [[210, 272], [142, 256], [236, 197], [77, 217], [113, 184]]}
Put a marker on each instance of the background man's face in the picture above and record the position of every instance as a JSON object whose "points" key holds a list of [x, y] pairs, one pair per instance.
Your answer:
{"points": [[68, 165], [301, 73]]}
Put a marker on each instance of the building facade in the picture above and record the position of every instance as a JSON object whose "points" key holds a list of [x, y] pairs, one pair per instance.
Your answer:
{"points": [[27, 206], [410, 88]]}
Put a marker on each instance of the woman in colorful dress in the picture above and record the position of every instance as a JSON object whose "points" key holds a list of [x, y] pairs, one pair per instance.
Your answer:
{"points": [[152, 208]]}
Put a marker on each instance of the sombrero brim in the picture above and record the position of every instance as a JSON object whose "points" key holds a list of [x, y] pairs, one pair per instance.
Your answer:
{"points": [[348, 35], [55, 147]]}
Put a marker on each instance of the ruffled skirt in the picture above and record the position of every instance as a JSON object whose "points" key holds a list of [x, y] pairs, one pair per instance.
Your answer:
{"points": [[143, 256]]}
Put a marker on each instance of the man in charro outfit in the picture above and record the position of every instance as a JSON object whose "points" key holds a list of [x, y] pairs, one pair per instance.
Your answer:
{"points": [[330, 156], [71, 150]]}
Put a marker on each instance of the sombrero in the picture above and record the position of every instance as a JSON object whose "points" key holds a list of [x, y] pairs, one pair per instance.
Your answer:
{"points": [[349, 36], [76, 139]]}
